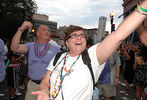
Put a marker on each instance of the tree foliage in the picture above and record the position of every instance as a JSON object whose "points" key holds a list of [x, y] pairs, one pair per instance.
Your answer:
{"points": [[12, 15]]}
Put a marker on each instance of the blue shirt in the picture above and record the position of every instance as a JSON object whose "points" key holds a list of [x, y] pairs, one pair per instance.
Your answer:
{"points": [[37, 65], [105, 75], [2, 63]]}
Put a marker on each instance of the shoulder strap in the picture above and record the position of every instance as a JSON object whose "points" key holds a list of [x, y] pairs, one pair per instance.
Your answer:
{"points": [[57, 57], [87, 61]]}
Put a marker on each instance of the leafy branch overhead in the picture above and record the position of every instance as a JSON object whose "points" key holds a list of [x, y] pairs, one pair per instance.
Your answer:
{"points": [[12, 15]]}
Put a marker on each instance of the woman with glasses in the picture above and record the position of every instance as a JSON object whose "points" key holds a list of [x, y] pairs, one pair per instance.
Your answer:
{"points": [[70, 78]]}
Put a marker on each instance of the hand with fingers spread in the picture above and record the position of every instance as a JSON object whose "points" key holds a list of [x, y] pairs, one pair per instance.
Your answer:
{"points": [[41, 95]]}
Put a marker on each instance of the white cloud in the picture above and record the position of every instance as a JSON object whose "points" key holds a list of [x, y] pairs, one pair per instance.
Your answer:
{"points": [[80, 12]]}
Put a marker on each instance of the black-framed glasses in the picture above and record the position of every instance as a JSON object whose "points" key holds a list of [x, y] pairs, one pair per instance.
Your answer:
{"points": [[73, 36]]}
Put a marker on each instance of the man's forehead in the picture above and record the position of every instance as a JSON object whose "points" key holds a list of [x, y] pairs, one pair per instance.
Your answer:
{"points": [[43, 26]]}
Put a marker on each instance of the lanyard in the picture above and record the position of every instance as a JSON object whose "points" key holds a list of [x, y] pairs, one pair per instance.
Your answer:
{"points": [[57, 87]]}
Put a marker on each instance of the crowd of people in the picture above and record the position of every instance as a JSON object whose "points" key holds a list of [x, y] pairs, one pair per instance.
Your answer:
{"points": [[70, 78]]}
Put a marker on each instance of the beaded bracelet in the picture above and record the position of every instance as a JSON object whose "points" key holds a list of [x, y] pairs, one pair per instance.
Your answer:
{"points": [[142, 9], [140, 12]]}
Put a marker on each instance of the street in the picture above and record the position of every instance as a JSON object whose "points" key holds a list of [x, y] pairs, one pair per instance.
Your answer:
{"points": [[122, 94]]}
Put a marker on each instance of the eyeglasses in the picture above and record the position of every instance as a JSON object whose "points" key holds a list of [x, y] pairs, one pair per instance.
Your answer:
{"points": [[73, 36]]}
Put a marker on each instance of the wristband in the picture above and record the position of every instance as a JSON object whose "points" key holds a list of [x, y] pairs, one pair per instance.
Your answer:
{"points": [[142, 9], [20, 30], [140, 12]]}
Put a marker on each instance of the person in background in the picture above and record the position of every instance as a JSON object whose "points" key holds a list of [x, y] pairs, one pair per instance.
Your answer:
{"points": [[23, 71], [128, 74], [6, 51], [109, 78], [2, 64], [39, 55], [13, 74], [140, 67], [122, 59], [70, 78], [142, 33]]}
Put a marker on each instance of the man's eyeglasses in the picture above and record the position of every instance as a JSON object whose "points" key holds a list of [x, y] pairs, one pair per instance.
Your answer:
{"points": [[73, 36]]}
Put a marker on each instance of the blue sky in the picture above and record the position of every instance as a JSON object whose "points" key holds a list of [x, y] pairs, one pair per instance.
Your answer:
{"points": [[84, 13]]}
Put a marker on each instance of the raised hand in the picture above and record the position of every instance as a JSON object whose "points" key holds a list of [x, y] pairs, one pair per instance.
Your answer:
{"points": [[26, 25]]}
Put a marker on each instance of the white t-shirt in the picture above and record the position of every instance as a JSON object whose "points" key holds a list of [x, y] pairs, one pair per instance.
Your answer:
{"points": [[78, 85]]}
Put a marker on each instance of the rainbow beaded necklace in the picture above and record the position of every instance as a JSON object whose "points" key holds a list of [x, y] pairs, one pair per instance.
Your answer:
{"points": [[44, 51], [55, 93]]}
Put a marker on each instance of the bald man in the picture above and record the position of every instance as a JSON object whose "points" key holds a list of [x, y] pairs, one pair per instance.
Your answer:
{"points": [[39, 54]]}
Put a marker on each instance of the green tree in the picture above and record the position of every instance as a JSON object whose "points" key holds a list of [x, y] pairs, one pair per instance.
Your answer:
{"points": [[12, 15]]}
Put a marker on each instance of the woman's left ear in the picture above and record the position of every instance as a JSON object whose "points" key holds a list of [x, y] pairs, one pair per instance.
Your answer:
{"points": [[66, 43]]}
